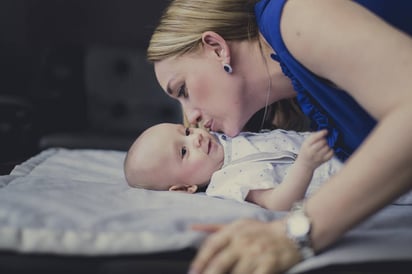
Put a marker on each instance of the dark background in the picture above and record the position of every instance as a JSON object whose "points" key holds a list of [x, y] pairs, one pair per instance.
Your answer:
{"points": [[73, 74]]}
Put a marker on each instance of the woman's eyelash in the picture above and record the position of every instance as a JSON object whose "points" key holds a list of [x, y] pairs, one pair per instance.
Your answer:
{"points": [[182, 91]]}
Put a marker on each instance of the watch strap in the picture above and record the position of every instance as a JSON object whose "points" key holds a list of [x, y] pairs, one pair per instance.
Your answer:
{"points": [[303, 243]]}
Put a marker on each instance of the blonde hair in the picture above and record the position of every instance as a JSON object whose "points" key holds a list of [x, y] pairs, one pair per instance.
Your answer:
{"points": [[183, 22], [180, 31]]}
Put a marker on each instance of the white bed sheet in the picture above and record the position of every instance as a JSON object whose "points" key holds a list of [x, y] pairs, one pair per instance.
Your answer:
{"points": [[77, 202]]}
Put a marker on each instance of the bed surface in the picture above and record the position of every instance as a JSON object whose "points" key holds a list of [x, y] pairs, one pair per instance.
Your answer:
{"points": [[76, 203]]}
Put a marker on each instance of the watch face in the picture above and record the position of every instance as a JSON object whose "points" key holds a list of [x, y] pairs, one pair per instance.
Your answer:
{"points": [[298, 225], [298, 228]]}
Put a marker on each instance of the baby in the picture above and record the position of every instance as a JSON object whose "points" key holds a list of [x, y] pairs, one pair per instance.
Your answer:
{"points": [[263, 168]]}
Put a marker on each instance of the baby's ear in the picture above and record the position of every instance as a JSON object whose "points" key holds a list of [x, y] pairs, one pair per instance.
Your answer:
{"points": [[184, 188]]}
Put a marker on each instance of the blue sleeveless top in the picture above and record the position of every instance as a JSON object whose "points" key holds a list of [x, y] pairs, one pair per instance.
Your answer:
{"points": [[328, 107]]}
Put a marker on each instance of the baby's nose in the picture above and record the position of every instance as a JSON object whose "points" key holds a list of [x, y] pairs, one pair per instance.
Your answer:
{"points": [[197, 140]]}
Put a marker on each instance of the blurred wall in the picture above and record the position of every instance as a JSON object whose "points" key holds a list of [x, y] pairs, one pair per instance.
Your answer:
{"points": [[76, 68]]}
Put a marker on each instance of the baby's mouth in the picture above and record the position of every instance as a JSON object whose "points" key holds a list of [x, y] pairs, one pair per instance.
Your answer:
{"points": [[209, 146]]}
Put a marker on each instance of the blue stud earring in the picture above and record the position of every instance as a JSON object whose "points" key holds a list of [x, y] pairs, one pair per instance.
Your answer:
{"points": [[228, 68]]}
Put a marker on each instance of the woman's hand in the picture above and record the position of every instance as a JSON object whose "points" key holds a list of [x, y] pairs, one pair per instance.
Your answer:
{"points": [[245, 246]]}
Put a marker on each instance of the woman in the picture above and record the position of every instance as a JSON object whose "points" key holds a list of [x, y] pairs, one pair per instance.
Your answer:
{"points": [[348, 65]]}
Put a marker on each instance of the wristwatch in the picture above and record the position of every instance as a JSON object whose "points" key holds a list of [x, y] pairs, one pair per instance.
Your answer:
{"points": [[298, 227]]}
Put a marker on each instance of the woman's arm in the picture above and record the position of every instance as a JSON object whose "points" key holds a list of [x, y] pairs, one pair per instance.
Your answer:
{"points": [[344, 43], [373, 62], [314, 152]]}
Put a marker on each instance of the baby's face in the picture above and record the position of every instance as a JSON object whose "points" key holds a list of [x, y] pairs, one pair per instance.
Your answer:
{"points": [[189, 156]]}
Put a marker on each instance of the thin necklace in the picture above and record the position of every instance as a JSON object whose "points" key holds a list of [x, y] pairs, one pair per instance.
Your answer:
{"points": [[269, 88]]}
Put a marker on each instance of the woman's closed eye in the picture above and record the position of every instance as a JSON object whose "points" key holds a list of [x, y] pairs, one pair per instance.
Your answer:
{"points": [[182, 92]]}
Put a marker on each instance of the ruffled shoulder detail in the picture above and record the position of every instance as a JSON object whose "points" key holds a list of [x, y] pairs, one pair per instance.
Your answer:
{"points": [[319, 119], [296, 84]]}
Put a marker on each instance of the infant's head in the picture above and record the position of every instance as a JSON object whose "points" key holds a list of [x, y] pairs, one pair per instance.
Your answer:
{"points": [[172, 157]]}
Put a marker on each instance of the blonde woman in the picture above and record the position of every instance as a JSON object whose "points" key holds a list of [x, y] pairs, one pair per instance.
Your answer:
{"points": [[347, 64]]}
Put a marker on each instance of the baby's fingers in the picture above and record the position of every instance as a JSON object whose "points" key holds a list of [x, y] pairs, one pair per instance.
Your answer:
{"points": [[321, 134], [316, 137], [328, 154]]}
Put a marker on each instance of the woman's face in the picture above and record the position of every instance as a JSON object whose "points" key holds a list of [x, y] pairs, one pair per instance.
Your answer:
{"points": [[207, 93]]}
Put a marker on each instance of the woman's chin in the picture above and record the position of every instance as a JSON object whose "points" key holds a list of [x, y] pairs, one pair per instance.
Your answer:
{"points": [[232, 132]]}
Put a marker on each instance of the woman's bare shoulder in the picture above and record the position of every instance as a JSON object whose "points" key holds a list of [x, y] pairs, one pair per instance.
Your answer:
{"points": [[343, 42]]}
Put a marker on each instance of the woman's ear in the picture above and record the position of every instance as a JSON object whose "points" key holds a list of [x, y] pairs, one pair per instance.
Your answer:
{"points": [[184, 188], [216, 45]]}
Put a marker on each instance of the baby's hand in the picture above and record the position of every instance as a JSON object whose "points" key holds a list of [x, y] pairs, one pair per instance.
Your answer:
{"points": [[315, 150]]}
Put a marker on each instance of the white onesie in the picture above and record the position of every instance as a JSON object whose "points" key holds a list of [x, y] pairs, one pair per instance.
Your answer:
{"points": [[261, 161]]}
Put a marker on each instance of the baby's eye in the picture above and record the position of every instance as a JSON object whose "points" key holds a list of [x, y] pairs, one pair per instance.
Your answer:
{"points": [[182, 92], [187, 131], [183, 152]]}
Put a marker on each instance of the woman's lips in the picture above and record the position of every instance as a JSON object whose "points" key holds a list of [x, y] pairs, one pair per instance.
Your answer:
{"points": [[209, 125], [212, 126]]}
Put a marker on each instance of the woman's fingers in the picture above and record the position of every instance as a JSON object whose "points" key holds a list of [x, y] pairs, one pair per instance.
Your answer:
{"points": [[210, 248], [222, 261], [246, 246], [210, 228]]}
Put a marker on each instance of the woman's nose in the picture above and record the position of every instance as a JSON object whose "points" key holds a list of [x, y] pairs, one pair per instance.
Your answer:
{"points": [[193, 116]]}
